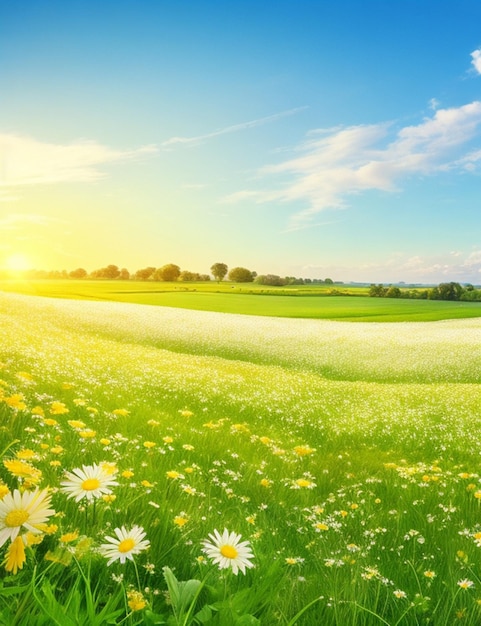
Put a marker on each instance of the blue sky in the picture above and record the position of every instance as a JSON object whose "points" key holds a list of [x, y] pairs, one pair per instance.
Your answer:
{"points": [[306, 138]]}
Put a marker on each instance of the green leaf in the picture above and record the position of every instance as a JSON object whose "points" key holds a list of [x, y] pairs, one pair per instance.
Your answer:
{"points": [[247, 620], [188, 591], [152, 618], [172, 585], [204, 615]]}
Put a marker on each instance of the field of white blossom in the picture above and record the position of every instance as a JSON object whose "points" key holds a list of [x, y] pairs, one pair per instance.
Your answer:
{"points": [[341, 459]]}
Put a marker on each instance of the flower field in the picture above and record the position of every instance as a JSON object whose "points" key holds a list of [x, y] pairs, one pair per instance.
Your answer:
{"points": [[169, 466]]}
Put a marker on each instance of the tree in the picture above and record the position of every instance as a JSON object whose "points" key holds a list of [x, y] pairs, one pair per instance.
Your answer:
{"points": [[111, 272], [450, 291], [393, 292], [188, 277], [124, 274], [240, 275], [78, 273], [167, 273], [270, 279], [219, 270], [145, 273], [377, 291]]}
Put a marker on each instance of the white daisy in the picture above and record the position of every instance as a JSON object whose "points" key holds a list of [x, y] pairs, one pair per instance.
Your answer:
{"points": [[27, 510], [227, 550], [125, 545], [90, 481]]}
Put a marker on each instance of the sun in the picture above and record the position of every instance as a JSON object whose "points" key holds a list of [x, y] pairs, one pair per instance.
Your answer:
{"points": [[17, 263]]}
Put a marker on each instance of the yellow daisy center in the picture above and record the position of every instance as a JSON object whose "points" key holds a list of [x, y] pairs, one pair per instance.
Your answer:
{"points": [[126, 545], [91, 484], [16, 518], [229, 552]]}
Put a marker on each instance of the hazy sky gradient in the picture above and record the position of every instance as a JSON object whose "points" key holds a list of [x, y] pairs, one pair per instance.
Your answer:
{"points": [[307, 138]]}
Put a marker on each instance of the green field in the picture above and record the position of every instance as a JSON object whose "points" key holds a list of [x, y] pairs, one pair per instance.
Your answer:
{"points": [[305, 301], [346, 454]]}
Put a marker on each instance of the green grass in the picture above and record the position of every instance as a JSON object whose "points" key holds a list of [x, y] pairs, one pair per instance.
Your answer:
{"points": [[347, 454], [305, 301]]}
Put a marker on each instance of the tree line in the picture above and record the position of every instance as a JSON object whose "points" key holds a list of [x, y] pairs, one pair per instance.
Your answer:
{"points": [[172, 273], [444, 291]]}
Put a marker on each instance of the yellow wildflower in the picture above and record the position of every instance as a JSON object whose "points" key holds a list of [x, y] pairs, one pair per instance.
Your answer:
{"points": [[149, 444], [88, 433], [240, 428], [76, 424], [109, 467], [303, 483], [49, 421], [136, 600], [25, 454], [32, 540], [22, 469], [16, 402], [25, 375], [121, 412], [304, 450], [69, 537], [180, 520], [15, 556], [58, 408]]}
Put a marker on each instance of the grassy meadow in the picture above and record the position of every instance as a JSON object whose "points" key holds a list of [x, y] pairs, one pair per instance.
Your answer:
{"points": [[317, 301], [346, 454]]}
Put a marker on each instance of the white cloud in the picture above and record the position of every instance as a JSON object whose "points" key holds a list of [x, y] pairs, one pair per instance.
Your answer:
{"points": [[26, 161], [337, 163], [229, 129], [476, 60]]}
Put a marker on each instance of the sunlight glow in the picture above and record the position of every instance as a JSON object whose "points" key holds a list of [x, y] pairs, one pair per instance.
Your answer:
{"points": [[17, 263]]}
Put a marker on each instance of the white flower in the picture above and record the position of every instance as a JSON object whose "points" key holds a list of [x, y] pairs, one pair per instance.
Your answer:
{"points": [[27, 510], [465, 583], [228, 551], [125, 545], [91, 481]]}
